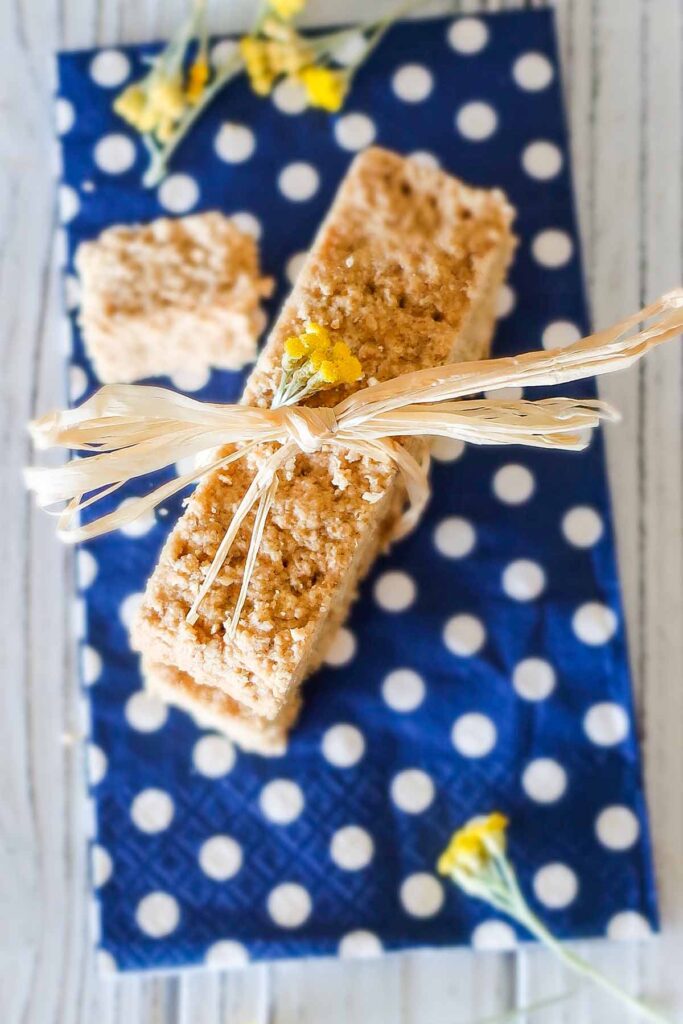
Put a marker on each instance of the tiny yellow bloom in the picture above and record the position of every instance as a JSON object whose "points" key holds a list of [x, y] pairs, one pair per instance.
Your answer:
{"points": [[255, 56], [130, 104], [350, 370], [472, 847], [167, 98], [198, 76], [329, 371], [295, 348], [287, 8], [324, 88]]}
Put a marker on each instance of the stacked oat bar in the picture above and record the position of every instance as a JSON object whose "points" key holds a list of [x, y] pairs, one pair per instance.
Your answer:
{"points": [[406, 269]]}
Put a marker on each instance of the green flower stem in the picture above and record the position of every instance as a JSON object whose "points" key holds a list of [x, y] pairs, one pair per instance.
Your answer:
{"points": [[161, 155], [533, 924]]}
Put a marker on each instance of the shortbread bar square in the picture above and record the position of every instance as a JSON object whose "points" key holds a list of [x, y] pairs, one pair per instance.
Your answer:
{"points": [[161, 297], [406, 269]]}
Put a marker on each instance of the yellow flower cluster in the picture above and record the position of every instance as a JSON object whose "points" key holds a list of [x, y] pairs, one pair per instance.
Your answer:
{"points": [[324, 87], [157, 104], [287, 9], [474, 845], [313, 353]]}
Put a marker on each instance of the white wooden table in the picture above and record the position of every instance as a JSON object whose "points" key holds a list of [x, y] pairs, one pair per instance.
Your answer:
{"points": [[623, 73]]}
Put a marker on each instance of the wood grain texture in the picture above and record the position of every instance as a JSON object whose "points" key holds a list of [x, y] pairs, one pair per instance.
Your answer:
{"points": [[623, 73]]}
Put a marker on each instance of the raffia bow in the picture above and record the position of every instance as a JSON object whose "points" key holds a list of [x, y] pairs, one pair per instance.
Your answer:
{"points": [[135, 430]]}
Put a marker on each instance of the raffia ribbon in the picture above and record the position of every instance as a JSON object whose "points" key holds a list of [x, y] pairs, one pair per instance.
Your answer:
{"points": [[135, 430]]}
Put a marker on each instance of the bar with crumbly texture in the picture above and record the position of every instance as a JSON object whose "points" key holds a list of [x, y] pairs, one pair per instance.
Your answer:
{"points": [[158, 298], [406, 269]]}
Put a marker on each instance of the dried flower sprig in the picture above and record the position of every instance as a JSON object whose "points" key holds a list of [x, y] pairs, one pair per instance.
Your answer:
{"points": [[477, 861], [182, 81], [313, 361]]}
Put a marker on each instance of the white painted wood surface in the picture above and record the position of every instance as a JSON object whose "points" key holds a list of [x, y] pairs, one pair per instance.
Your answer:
{"points": [[623, 71]]}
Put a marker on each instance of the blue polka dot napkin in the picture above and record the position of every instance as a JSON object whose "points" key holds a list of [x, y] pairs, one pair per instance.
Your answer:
{"points": [[484, 665]]}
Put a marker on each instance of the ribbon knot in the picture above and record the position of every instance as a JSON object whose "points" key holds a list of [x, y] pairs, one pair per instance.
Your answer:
{"points": [[308, 428]]}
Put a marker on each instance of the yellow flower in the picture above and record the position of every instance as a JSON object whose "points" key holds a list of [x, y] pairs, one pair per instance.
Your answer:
{"points": [[329, 371], [474, 845], [255, 56], [166, 97], [295, 348], [130, 104], [197, 78], [287, 8], [312, 361], [324, 88]]}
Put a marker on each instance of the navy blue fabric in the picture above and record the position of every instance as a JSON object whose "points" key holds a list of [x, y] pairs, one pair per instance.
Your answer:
{"points": [[570, 717]]}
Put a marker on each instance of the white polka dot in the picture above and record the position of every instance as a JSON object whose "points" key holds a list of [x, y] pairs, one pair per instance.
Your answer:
{"points": [[226, 953], [354, 131], [617, 827], [582, 526], [247, 223], [78, 617], [454, 537], [412, 790], [109, 68], [606, 724], [628, 926], [86, 568], [464, 635], [342, 649], [191, 378], [403, 690], [91, 665], [129, 609], [178, 193], [97, 764], [145, 712], [213, 756], [476, 121], [425, 159], [289, 905], [105, 962], [281, 801], [412, 83], [343, 745], [533, 71], [350, 50], [552, 248], [152, 810], [544, 780], [559, 334], [594, 623], [114, 154], [542, 160], [72, 293], [220, 858], [422, 895], [222, 52], [447, 449], [533, 679], [474, 735], [294, 265], [494, 936], [513, 484], [468, 35], [523, 580], [78, 382], [65, 115], [505, 301], [394, 591], [298, 181], [157, 914], [289, 96], [102, 866], [235, 143], [360, 945], [141, 525], [351, 848], [69, 203], [555, 886]]}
